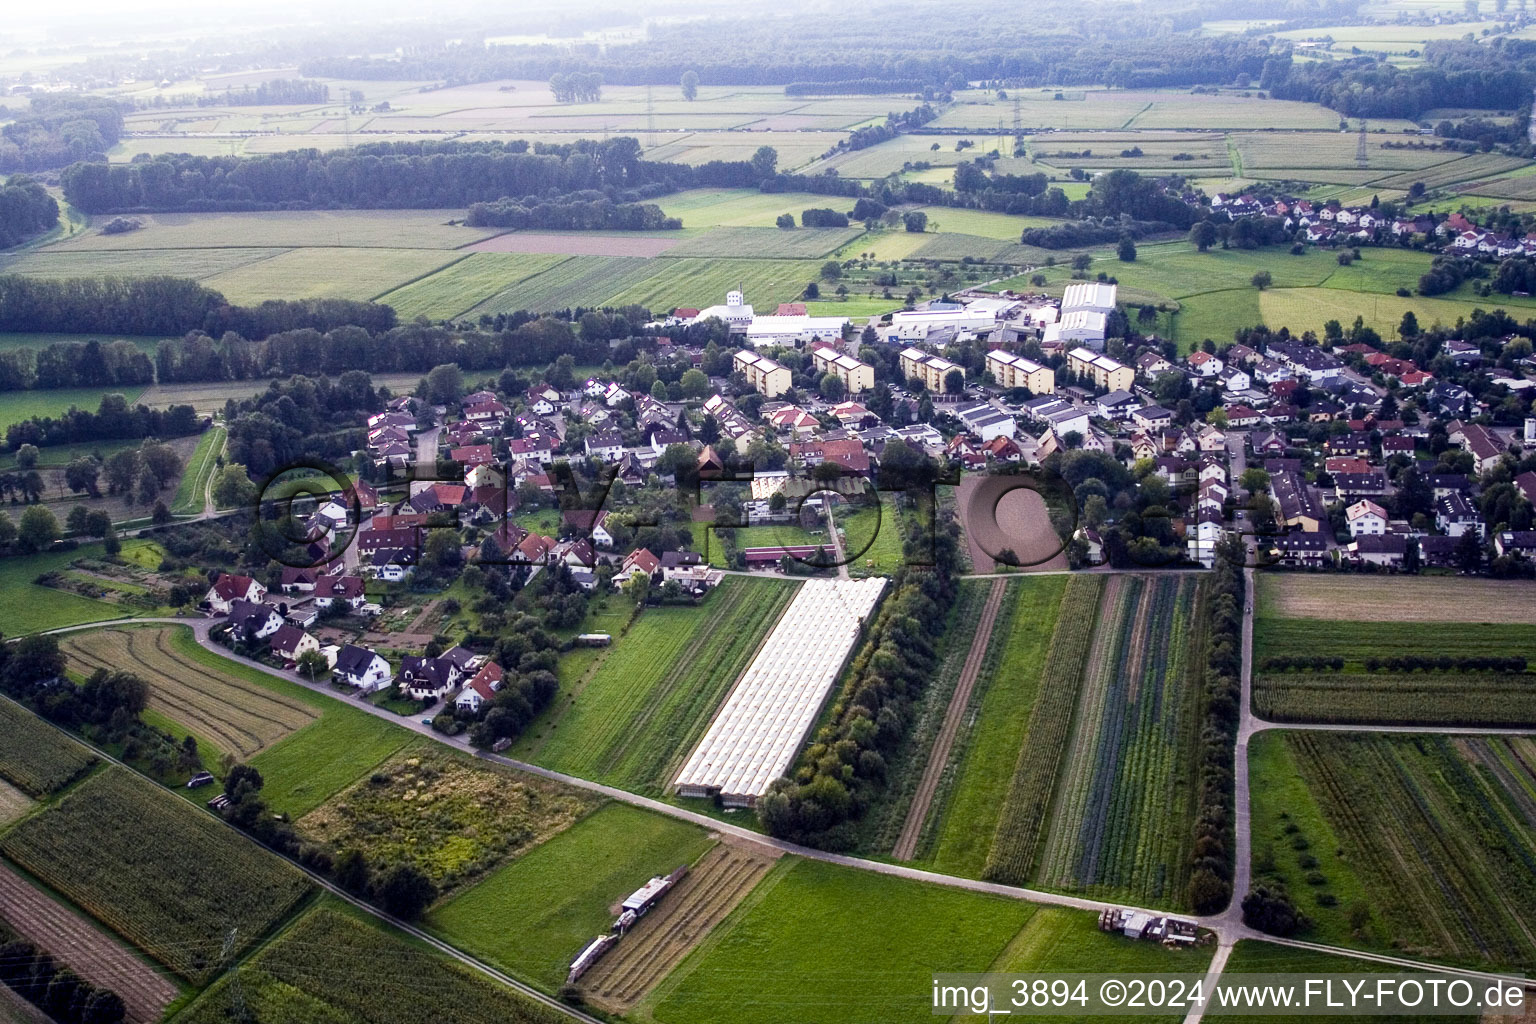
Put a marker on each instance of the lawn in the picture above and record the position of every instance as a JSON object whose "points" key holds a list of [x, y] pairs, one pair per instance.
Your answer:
{"points": [[338, 967], [310, 766], [1440, 833], [1123, 814], [648, 699], [561, 893], [453, 816], [23, 405], [177, 896], [836, 944], [30, 608], [461, 285], [326, 273], [872, 536], [1003, 704]]}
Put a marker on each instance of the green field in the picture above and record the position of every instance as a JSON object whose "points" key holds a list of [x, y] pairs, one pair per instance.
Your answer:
{"points": [[197, 263], [64, 454], [191, 492], [23, 405], [170, 878], [30, 608], [743, 207], [644, 704], [334, 967], [851, 946], [703, 282], [1254, 957], [872, 536], [366, 229], [1123, 814], [560, 893], [326, 273], [465, 283], [1003, 703], [35, 756], [766, 243], [1439, 832]]}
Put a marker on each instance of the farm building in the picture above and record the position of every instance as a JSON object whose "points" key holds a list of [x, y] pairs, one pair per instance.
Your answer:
{"points": [[757, 731], [1138, 924]]}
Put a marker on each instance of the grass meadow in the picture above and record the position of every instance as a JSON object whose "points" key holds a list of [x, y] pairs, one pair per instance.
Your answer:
{"points": [[1250, 956], [30, 607], [561, 893], [24, 405]]}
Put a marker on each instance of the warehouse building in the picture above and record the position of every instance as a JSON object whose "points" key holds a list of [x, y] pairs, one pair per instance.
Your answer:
{"points": [[773, 705], [794, 330]]}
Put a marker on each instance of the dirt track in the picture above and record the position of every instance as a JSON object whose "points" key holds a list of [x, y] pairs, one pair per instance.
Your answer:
{"points": [[938, 757], [996, 512]]}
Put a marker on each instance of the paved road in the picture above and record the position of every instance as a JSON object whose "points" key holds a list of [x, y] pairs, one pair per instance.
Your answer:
{"points": [[426, 459]]}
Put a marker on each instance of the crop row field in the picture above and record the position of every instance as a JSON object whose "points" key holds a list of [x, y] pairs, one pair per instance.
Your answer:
{"points": [[532, 916], [83, 948], [1122, 817], [996, 727], [645, 704], [1429, 846], [287, 229], [240, 715], [166, 876], [36, 757], [1016, 841], [453, 817], [659, 941], [332, 967], [1396, 698], [1443, 599]]}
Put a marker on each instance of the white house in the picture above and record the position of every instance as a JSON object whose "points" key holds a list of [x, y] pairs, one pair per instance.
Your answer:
{"points": [[1203, 364], [1366, 519], [985, 421], [1202, 539], [290, 642], [481, 687], [250, 620], [607, 445], [362, 668], [229, 588]]}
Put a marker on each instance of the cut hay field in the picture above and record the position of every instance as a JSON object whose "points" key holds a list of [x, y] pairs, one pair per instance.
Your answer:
{"points": [[1017, 839], [642, 706], [36, 757], [1292, 152], [1383, 599], [85, 949], [1123, 814], [365, 229], [454, 817], [997, 728], [335, 967], [464, 283], [240, 714], [660, 940], [326, 273], [563, 892], [1439, 833], [168, 877]]}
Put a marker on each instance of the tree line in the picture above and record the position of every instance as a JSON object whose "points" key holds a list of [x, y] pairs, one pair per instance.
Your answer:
{"points": [[384, 175], [26, 209], [580, 211], [113, 420], [76, 364], [1498, 75], [1401, 663], [59, 129], [269, 93], [32, 973], [150, 306]]}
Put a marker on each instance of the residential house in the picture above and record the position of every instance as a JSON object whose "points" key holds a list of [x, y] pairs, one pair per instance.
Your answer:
{"points": [[1203, 364], [1365, 517], [638, 562], [1015, 371], [1454, 515], [229, 588], [580, 522], [856, 376], [764, 375], [930, 369], [481, 688], [361, 668], [251, 620], [424, 678], [985, 421], [606, 445], [347, 590], [289, 642], [1152, 417], [1385, 550]]}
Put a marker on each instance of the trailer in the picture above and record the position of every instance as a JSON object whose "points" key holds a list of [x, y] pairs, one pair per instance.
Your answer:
{"points": [[589, 956]]}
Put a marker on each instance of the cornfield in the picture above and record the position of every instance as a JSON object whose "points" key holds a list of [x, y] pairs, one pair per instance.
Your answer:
{"points": [[35, 756]]}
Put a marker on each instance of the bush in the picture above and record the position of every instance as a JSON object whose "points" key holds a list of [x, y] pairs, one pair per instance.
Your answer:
{"points": [[1268, 908]]}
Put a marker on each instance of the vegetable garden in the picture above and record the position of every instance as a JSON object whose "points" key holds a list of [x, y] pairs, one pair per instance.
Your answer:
{"points": [[1016, 843], [1121, 823], [1442, 833], [169, 878]]}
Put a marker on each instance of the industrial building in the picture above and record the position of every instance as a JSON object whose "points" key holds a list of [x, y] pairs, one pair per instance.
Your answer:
{"points": [[794, 330], [765, 375], [1089, 296], [755, 735], [1014, 371], [1081, 326], [917, 325], [736, 313]]}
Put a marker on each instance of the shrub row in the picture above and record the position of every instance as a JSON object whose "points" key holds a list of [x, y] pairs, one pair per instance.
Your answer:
{"points": [[59, 992], [1401, 663]]}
